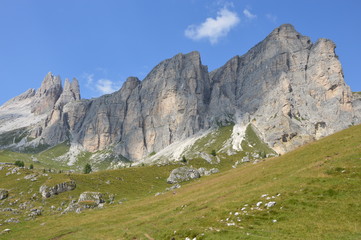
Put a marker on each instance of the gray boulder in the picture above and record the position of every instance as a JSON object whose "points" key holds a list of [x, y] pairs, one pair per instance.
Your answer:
{"points": [[3, 194], [183, 174], [93, 197], [47, 191]]}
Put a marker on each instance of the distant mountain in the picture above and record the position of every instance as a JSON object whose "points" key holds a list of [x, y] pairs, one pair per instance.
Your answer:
{"points": [[289, 90]]}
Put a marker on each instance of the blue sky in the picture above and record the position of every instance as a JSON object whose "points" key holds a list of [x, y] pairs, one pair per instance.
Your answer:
{"points": [[102, 42]]}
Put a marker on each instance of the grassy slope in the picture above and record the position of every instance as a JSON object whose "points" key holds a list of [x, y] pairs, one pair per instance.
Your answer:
{"points": [[320, 199], [46, 159]]}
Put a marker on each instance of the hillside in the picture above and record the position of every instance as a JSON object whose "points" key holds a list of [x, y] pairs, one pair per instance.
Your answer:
{"points": [[316, 190]]}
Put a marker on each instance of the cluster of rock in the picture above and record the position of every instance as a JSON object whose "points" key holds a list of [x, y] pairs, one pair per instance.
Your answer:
{"points": [[48, 191], [86, 200], [267, 202], [290, 89], [183, 174]]}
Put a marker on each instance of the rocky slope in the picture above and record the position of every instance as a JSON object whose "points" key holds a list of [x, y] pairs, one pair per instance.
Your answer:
{"points": [[291, 90]]}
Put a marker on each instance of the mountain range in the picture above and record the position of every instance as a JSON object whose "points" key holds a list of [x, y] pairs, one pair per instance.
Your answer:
{"points": [[287, 90]]}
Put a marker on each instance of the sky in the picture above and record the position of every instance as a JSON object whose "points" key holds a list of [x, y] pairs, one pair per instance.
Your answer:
{"points": [[102, 42]]}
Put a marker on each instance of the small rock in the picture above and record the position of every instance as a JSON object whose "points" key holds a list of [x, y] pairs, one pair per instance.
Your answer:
{"points": [[274, 220], [176, 186], [7, 230], [78, 210], [3, 194], [231, 224], [270, 204], [35, 212], [258, 204], [12, 220]]}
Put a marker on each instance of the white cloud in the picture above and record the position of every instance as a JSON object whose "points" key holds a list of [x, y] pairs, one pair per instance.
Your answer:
{"points": [[272, 18], [213, 29], [106, 86], [249, 15], [89, 79]]}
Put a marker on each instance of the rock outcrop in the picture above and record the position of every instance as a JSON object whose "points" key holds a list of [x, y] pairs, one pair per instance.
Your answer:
{"points": [[93, 197], [48, 191], [182, 174]]}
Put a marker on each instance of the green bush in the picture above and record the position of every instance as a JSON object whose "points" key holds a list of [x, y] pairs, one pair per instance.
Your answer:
{"points": [[213, 153], [87, 168], [184, 159], [31, 166], [19, 163]]}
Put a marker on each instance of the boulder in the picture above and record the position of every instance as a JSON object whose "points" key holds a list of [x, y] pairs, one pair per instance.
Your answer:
{"points": [[3, 194], [183, 174], [47, 191], [93, 197]]}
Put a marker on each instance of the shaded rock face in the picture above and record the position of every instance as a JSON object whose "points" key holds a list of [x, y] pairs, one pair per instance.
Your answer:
{"points": [[290, 89], [47, 191]]}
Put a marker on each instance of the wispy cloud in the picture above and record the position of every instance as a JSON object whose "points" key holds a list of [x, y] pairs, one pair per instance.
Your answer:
{"points": [[247, 13], [89, 80], [214, 28], [106, 86], [271, 17], [100, 86]]}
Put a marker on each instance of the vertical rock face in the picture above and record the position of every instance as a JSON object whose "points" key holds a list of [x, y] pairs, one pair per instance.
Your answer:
{"points": [[174, 99], [290, 89]]}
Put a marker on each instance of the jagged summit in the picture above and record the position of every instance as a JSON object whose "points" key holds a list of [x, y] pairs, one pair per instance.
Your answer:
{"points": [[290, 90], [70, 93]]}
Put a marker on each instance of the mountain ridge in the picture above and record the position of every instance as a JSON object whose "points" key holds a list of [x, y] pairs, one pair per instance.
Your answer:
{"points": [[291, 90]]}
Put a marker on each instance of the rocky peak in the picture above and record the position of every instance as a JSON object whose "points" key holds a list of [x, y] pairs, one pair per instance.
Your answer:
{"points": [[49, 83], [131, 83], [70, 93], [47, 95]]}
